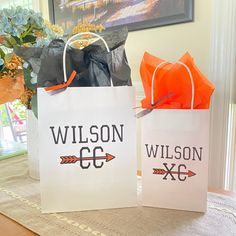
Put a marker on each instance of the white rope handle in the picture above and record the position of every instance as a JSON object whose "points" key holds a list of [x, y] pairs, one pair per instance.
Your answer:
{"points": [[72, 39], [153, 79], [190, 76]]}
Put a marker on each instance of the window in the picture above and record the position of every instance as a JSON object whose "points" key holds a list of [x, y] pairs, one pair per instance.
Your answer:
{"points": [[23, 3], [31, 4]]}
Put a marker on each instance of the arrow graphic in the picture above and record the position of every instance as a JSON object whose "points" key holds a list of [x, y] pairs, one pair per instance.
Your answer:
{"points": [[163, 172], [74, 159]]}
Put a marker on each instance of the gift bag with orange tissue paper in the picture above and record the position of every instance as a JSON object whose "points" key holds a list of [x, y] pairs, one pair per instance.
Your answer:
{"points": [[175, 134]]}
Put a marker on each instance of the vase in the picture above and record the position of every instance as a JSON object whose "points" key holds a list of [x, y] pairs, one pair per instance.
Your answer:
{"points": [[32, 144]]}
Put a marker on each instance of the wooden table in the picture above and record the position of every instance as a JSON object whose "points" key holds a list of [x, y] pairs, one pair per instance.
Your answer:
{"points": [[9, 227]]}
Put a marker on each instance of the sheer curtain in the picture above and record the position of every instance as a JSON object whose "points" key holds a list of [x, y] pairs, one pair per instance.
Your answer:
{"points": [[222, 73]]}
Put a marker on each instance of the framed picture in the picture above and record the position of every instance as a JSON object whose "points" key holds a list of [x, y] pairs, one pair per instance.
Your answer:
{"points": [[135, 14]]}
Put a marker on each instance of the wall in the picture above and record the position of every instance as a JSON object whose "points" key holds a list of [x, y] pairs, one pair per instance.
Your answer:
{"points": [[170, 42], [44, 9]]}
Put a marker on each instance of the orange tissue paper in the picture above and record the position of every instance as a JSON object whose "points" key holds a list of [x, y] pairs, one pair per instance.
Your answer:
{"points": [[171, 87]]}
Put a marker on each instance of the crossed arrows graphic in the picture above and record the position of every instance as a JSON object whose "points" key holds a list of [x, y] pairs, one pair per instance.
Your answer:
{"points": [[163, 172], [73, 159]]}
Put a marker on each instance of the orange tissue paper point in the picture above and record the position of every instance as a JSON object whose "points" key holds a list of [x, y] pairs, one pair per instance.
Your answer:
{"points": [[174, 79]]}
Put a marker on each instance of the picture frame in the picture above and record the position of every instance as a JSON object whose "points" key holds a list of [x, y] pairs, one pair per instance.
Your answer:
{"points": [[164, 12]]}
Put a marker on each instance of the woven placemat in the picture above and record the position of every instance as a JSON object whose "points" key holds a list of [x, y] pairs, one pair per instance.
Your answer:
{"points": [[20, 200]]}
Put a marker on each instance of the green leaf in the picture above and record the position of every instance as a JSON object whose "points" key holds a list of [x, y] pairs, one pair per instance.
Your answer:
{"points": [[11, 40], [29, 39], [34, 105], [2, 53], [18, 42], [27, 78], [29, 29]]}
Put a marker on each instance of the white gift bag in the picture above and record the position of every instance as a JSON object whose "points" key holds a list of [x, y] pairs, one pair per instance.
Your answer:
{"points": [[87, 147], [175, 146]]}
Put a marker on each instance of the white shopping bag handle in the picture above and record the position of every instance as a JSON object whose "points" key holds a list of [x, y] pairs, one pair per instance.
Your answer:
{"points": [[73, 39], [190, 76]]}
